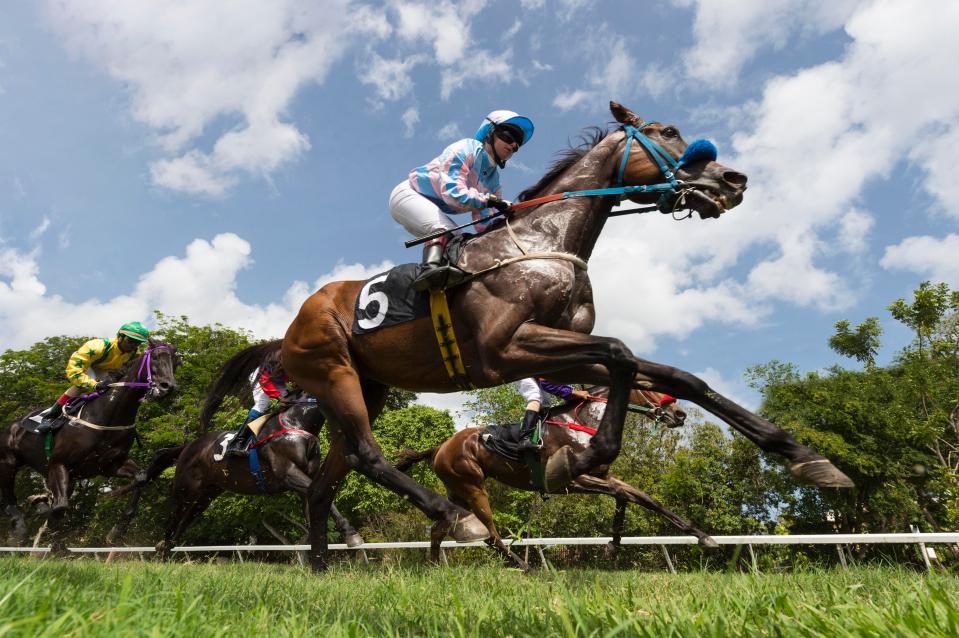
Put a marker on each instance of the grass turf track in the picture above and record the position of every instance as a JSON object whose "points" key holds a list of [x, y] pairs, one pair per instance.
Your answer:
{"points": [[89, 598]]}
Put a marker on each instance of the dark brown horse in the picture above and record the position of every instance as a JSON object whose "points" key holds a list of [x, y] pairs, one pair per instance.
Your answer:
{"points": [[463, 463], [288, 453], [530, 317], [95, 442]]}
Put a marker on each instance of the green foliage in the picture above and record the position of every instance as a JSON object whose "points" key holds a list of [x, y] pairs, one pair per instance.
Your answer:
{"points": [[861, 344], [894, 430]]}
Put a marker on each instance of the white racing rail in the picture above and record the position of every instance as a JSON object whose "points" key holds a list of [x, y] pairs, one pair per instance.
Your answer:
{"points": [[791, 539]]}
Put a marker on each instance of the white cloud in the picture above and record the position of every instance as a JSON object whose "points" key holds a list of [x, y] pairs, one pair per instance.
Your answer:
{"points": [[854, 229], [450, 131], [937, 158], [200, 284], [390, 78], [571, 99], [932, 257], [411, 118], [611, 71], [184, 76], [40, 229], [730, 34], [532, 4]]}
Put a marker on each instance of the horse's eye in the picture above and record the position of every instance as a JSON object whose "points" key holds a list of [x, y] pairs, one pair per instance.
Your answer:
{"points": [[670, 131]]}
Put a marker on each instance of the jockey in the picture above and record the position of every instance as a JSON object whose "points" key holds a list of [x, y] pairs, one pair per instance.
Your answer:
{"points": [[463, 179], [534, 391], [88, 364], [268, 382]]}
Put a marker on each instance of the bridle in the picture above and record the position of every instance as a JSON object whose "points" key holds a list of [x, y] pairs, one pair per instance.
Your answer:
{"points": [[146, 365]]}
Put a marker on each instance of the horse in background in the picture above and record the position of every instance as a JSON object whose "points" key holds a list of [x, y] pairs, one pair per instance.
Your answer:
{"points": [[464, 464], [286, 449], [95, 441]]}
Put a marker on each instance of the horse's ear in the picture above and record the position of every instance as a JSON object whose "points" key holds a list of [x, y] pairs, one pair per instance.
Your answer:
{"points": [[623, 115]]}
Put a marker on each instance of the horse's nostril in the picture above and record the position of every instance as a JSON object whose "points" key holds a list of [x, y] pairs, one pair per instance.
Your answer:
{"points": [[734, 178]]}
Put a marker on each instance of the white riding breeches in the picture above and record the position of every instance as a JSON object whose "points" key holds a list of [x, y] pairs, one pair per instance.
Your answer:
{"points": [[418, 215], [531, 391]]}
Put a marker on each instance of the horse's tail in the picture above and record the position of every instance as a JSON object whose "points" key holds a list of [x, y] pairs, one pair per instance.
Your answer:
{"points": [[409, 458], [166, 457], [234, 376]]}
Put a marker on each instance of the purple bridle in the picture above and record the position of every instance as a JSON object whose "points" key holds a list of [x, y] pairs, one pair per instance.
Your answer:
{"points": [[146, 361]]}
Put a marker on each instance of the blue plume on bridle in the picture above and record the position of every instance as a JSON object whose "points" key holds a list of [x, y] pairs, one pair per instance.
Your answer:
{"points": [[699, 150]]}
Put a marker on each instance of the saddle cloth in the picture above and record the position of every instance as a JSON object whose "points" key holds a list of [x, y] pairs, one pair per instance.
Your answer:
{"points": [[389, 299]]}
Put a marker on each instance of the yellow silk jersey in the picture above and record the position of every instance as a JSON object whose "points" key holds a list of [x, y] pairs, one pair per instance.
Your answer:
{"points": [[99, 354]]}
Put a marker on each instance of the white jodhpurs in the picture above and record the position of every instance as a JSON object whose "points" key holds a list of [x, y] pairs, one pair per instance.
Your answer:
{"points": [[261, 400], [418, 215]]}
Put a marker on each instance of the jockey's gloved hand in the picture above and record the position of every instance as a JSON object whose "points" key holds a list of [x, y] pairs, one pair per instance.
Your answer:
{"points": [[501, 205], [101, 386]]}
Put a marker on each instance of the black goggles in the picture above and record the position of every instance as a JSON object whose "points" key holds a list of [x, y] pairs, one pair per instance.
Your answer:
{"points": [[508, 136]]}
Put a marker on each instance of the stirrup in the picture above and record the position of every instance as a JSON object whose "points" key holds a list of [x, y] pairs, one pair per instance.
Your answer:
{"points": [[439, 277]]}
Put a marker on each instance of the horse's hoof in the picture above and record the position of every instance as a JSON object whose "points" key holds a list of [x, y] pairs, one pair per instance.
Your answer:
{"points": [[354, 540], [468, 529], [559, 470], [820, 472], [708, 542]]}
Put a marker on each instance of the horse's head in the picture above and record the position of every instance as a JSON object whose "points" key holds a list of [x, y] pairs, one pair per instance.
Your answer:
{"points": [[708, 187], [157, 366], [656, 405]]}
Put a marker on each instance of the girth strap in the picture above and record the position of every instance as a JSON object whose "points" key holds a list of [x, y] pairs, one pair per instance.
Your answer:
{"points": [[446, 339]]}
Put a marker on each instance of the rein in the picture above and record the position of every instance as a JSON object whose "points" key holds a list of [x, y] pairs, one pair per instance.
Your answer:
{"points": [[630, 407]]}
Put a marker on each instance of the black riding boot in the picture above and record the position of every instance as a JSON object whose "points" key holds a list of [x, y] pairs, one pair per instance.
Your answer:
{"points": [[530, 421], [434, 273], [52, 418], [237, 445]]}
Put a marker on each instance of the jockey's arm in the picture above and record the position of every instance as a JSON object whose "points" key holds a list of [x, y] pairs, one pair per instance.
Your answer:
{"points": [[455, 189], [81, 361]]}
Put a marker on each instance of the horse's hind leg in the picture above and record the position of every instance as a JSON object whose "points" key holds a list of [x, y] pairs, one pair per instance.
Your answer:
{"points": [[188, 506], [129, 469], [621, 490], [8, 475]]}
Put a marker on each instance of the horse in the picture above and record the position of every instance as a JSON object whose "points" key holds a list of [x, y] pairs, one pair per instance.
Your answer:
{"points": [[94, 442], [287, 449], [463, 463], [526, 311]]}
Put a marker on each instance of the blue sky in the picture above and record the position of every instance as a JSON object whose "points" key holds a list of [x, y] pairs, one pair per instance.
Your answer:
{"points": [[221, 160]]}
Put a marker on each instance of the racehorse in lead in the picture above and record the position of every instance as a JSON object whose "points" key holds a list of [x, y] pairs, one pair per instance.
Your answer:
{"points": [[527, 311], [95, 442], [464, 463]]}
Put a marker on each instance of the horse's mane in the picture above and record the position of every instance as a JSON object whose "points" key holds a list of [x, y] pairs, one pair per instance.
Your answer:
{"points": [[234, 375], [589, 138]]}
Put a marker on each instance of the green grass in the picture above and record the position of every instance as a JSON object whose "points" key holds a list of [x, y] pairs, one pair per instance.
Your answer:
{"points": [[88, 598]]}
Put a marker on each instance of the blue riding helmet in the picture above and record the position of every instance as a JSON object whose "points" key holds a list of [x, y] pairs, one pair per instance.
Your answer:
{"points": [[497, 118]]}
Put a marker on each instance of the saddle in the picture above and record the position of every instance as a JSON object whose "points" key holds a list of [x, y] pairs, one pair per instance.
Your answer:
{"points": [[503, 439]]}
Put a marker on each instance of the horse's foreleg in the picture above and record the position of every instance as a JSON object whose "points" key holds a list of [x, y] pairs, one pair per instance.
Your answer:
{"points": [[131, 470], [620, 490], [619, 523], [538, 350], [299, 482], [319, 499], [805, 465], [58, 483]]}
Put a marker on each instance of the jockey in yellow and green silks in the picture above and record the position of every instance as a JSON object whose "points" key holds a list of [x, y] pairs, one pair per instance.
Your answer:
{"points": [[92, 359]]}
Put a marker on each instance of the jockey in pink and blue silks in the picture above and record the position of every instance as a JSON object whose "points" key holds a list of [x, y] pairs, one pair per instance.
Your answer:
{"points": [[463, 179]]}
